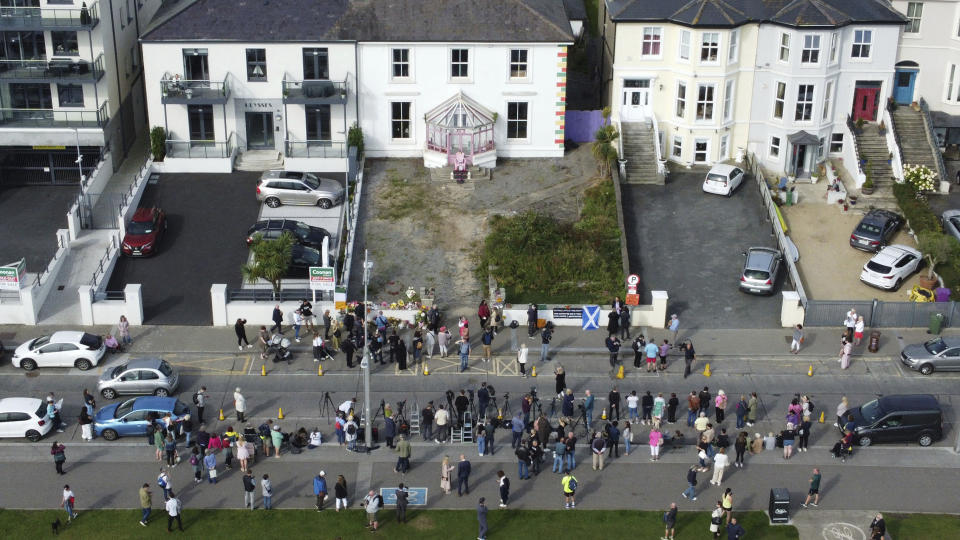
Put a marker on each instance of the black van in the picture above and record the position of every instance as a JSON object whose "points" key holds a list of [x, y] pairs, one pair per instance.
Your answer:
{"points": [[898, 418]]}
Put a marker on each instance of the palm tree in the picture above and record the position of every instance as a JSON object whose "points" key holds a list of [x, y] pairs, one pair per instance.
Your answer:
{"points": [[271, 260], [602, 147]]}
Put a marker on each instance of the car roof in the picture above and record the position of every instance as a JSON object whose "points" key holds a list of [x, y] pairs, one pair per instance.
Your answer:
{"points": [[144, 363], [951, 341], [894, 253], [22, 404], [947, 214], [722, 168], [154, 403], [66, 336], [909, 401], [299, 247], [879, 215], [143, 214]]}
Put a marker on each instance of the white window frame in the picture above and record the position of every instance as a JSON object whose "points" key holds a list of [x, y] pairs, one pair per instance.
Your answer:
{"points": [[525, 121], [821, 148], [810, 55], [651, 36], [708, 47], [408, 63], [676, 147], [706, 151], [782, 100], [724, 147], [683, 49], [834, 46], [803, 111], [914, 20], [451, 63], [733, 48], [680, 104], [774, 147], [783, 48], [948, 96], [708, 105], [836, 146], [409, 121], [525, 63], [827, 100], [728, 100], [862, 49]]}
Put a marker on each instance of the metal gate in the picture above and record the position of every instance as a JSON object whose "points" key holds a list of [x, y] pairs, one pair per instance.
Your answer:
{"points": [[100, 210], [879, 314], [833, 312], [21, 166]]}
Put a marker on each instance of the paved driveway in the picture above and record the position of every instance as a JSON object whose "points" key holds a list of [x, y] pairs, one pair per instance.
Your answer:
{"points": [[208, 216], [33, 213], [689, 244]]}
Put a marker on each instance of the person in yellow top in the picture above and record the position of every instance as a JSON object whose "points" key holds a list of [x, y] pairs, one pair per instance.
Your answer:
{"points": [[230, 441], [727, 504], [569, 483]]}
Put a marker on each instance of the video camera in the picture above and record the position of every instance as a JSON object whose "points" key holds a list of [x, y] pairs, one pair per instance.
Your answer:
{"points": [[533, 392]]}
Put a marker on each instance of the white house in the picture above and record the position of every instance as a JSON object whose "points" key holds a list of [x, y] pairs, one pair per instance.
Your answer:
{"points": [[490, 85], [70, 86], [718, 78]]}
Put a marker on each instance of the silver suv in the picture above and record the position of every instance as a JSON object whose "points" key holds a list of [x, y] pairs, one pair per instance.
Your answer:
{"points": [[139, 376], [760, 270], [278, 187]]}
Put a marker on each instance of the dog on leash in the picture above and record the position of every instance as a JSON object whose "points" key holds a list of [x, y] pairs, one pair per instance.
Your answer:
{"points": [[55, 527]]}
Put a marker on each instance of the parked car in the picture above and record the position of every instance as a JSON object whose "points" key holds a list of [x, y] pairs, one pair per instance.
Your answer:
{"points": [[130, 417], [875, 229], [301, 261], [60, 349], [940, 353], [302, 233], [761, 266], [951, 223], [139, 376], [278, 187], [898, 418], [24, 417], [722, 179], [144, 232], [889, 268]]}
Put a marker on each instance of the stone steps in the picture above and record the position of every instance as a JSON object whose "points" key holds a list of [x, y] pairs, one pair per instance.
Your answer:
{"points": [[640, 153], [259, 160], [914, 145]]}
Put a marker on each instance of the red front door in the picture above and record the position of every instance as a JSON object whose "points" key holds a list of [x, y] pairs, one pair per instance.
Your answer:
{"points": [[865, 104]]}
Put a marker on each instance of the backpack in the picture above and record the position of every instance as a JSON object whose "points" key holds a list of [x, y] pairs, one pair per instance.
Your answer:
{"points": [[161, 482], [810, 404], [352, 429], [572, 484], [194, 460], [379, 501], [196, 398], [264, 430]]}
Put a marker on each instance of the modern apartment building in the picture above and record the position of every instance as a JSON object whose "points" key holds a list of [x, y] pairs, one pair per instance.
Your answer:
{"points": [[70, 85]]}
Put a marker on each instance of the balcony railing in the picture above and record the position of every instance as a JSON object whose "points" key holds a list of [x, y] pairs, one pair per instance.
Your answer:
{"points": [[30, 18], [315, 149], [319, 92], [13, 118], [201, 149], [58, 69], [202, 92]]}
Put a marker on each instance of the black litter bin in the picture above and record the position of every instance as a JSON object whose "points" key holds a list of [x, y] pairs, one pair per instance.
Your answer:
{"points": [[779, 505]]}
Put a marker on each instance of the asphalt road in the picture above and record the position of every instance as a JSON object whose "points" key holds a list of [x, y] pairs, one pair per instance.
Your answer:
{"points": [[34, 213], [208, 216], [689, 243]]}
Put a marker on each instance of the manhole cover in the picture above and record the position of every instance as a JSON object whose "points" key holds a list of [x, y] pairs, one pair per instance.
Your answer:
{"points": [[32, 374]]}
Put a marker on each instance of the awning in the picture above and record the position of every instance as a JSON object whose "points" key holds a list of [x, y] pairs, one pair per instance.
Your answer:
{"points": [[801, 138], [941, 119]]}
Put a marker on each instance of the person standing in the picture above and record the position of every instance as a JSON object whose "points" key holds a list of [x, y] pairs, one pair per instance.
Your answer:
{"points": [[797, 339], [598, 448], [372, 503], [559, 454], [845, 349], [614, 398], [240, 404], [545, 336], [123, 329], [249, 489], [464, 351], [482, 519], [571, 444], [613, 322], [588, 405], [483, 313], [445, 471], [210, 464], [348, 348], [443, 424], [297, 323], [632, 406], [57, 450], [716, 520], [200, 400], [752, 407], [504, 485], [879, 525], [720, 405], [532, 320], [728, 504], [174, 507], [443, 338], [734, 530], [720, 461], [613, 346], [146, 503], [646, 404], [267, 491], [430, 342], [569, 483], [522, 359], [803, 433], [691, 491], [670, 522], [813, 491], [53, 414], [705, 399], [340, 492], [651, 351], [306, 310], [320, 490], [689, 357], [672, 404], [486, 341], [327, 320], [624, 323], [638, 346], [850, 323], [613, 435], [663, 353], [277, 318], [403, 453], [656, 441], [674, 327], [403, 498], [523, 461], [463, 476]]}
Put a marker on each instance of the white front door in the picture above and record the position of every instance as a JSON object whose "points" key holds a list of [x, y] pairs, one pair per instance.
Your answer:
{"points": [[636, 99]]}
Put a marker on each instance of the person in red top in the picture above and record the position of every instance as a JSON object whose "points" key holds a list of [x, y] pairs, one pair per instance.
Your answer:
{"points": [[483, 312]]}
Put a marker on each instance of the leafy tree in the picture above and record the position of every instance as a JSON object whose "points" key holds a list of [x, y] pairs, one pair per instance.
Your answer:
{"points": [[938, 248], [271, 260]]}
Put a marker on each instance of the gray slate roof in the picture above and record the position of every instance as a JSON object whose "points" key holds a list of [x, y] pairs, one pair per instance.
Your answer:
{"points": [[576, 10], [361, 20], [725, 13]]}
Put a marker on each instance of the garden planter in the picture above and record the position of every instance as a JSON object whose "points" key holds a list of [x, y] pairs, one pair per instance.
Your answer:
{"points": [[866, 190], [928, 283]]}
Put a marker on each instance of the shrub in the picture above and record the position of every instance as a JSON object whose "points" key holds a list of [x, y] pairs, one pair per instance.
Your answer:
{"points": [[920, 177], [916, 210], [938, 248], [158, 143], [355, 138]]}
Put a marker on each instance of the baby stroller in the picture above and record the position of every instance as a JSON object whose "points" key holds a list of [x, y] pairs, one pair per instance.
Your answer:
{"points": [[842, 449], [279, 348], [250, 435]]}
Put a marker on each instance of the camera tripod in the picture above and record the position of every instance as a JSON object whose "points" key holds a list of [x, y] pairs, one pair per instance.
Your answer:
{"points": [[327, 406], [581, 418], [505, 411]]}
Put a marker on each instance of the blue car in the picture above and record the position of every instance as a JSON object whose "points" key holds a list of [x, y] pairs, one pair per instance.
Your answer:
{"points": [[130, 417]]}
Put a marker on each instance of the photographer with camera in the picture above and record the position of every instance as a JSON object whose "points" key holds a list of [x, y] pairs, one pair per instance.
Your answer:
{"points": [[483, 399]]}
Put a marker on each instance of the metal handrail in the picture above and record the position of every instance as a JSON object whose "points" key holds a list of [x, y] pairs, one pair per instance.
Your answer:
{"points": [[268, 295], [853, 132], [315, 148], [201, 149], [778, 231], [932, 139], [892, 106], [43, 68], [177, 87], [49, 17], [54, 117]]}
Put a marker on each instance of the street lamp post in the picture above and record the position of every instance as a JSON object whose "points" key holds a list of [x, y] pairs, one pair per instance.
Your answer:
{"points": [[365, 363]]}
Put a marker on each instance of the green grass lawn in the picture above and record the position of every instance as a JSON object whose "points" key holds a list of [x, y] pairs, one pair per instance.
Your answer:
{"points": [[922, 525], [421, 524]]}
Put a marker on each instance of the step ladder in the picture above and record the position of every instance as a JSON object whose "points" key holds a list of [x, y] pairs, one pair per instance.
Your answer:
{"points": [[456, 434], [467, 427], [414, 420]]}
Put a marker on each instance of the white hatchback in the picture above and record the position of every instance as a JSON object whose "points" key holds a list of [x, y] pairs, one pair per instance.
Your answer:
{"points": [[60, 349], [889, 268], [24, 417], [722, 179]]}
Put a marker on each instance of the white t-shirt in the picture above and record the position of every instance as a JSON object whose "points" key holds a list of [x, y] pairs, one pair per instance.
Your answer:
{"points": [[632, 401], [67, 495], [315, 438], [720, 460], [173, 506]]}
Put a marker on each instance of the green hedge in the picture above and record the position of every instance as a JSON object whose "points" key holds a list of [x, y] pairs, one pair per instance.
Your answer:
{"points": [[917, 211]]}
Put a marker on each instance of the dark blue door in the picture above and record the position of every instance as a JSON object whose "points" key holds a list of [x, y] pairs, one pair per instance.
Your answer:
{"points": [[903, 85]]}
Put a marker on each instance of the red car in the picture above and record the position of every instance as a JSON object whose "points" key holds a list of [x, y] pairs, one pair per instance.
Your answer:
{"points": [[144, 232]]}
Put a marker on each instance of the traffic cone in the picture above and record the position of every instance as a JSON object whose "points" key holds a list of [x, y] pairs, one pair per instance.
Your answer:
{"points": [[499, 414], [821, 417], [533, 372], [263, 370], [810, 371], [603, 415], [320, 369], [222, 417], [426, 369], [280, 414], [620, 373], [706, 371]]}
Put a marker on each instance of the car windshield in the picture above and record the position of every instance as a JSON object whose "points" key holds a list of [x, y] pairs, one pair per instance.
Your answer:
{"points": [[871, 411], [935, 346], [41, 410], [124, 408], [40, 342], [756, 274], [868, 228], [180, 408], [301, 230], [117, 371], [91, 341], [877, 267], [714, 177], [310, 256], [311, 181], [140, 227], [956, 222], [165, 368]]}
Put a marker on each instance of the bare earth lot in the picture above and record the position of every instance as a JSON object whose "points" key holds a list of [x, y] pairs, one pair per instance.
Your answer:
{"points": [[426, 234]]}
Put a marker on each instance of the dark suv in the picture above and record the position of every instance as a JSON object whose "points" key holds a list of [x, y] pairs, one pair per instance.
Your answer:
{"points": [[875, 230], [898, 418], [303, 234]]}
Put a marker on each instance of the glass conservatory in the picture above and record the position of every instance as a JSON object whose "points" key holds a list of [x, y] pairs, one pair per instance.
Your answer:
{"points": [[460, 127]]}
